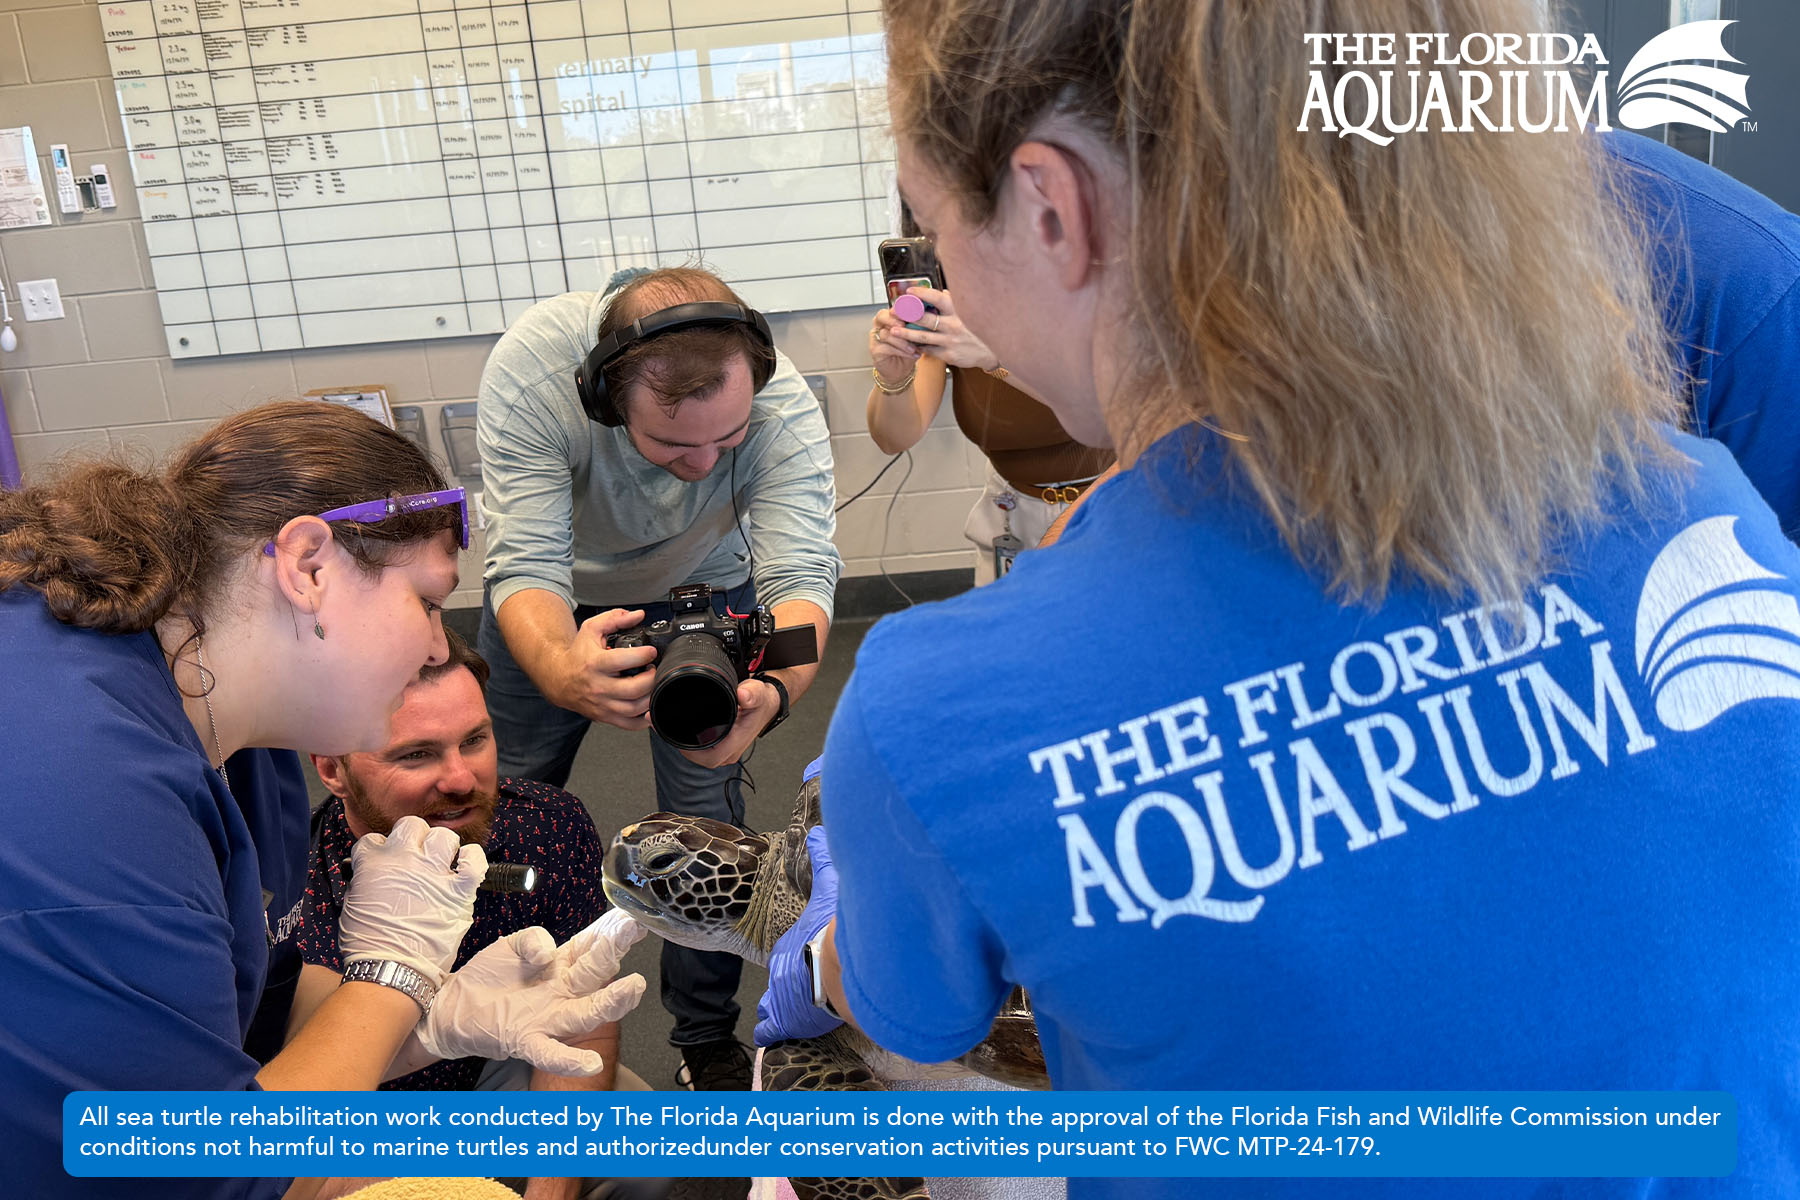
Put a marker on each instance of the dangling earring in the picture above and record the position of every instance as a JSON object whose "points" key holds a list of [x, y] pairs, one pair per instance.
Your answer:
{"points": [[318, 630]]}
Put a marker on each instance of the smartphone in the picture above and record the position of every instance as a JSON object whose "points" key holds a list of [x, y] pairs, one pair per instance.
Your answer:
{"points": [[908, 263]]}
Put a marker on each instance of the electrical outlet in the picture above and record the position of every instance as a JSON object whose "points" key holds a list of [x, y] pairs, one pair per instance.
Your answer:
{"points": [[40, 299]]}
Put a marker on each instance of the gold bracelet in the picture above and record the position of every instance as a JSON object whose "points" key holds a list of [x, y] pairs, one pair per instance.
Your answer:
{"points": [[896, 388], [998, 372]]}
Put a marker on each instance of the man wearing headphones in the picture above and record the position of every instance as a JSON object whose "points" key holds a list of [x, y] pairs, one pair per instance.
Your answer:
{"points": [[634, 441]]}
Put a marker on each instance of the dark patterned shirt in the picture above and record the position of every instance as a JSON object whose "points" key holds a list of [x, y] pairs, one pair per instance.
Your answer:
{"points": [[533, 823]]}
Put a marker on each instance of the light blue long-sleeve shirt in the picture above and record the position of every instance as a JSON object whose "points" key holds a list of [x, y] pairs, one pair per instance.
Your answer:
{"points": [[574, 509]]}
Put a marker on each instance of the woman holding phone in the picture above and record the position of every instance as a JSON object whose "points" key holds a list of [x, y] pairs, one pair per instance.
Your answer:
{"points": [[277, 585], [1036, 471]]}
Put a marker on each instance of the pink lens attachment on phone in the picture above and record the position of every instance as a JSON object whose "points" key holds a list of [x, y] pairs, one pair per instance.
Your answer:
{"points": [[909, 308]]}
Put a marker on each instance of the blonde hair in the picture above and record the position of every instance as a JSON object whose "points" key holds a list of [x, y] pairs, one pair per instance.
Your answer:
{"points": [[1433, 357]]}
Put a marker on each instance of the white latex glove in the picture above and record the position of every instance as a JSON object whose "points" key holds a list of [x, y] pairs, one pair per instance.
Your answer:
{"points": [[589, 960], [521, 994], [411, 897]]}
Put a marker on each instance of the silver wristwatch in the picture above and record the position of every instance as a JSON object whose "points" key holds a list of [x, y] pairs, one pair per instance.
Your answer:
{"points": [[398, 976]]}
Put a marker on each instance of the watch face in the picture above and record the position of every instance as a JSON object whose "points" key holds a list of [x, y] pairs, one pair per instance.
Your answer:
{"points": [[813, 969]]}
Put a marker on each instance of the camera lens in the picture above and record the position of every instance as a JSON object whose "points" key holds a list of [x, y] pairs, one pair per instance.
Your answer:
{"points": [[694, 700]]}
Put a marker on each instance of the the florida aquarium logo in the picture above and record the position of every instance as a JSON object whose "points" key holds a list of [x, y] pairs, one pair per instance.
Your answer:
{"points": [[1379, 86]]}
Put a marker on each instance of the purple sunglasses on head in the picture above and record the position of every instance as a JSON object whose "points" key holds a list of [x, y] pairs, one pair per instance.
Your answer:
{"points": [[370, 512]]}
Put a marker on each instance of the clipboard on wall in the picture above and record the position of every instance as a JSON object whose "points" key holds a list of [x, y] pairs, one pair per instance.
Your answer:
{"points": [[371, 400]]}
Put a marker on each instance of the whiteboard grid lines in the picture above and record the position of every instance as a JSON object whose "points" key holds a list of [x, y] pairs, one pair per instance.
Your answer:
{"points": [[282, 211]]}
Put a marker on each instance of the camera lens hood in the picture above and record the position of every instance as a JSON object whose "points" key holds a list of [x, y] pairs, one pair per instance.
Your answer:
{"points": [[694, 700]]}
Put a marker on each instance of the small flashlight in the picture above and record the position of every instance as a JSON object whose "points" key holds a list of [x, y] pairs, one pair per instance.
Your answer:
{"points": [[503, 877]]}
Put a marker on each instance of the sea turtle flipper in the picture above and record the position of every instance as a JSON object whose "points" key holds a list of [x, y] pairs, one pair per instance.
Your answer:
{"points": [[797, 861], [822, 1064], [831, 1064], [806, 805]]}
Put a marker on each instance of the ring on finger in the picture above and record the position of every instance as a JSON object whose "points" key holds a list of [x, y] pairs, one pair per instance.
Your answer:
{"points": [[935, 322]]}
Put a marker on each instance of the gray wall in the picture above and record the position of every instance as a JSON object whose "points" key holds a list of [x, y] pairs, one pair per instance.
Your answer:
{"points": [[1767, 41]]}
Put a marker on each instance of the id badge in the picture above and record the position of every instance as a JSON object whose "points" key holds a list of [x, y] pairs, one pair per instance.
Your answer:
{"points": [[1006, 548]]}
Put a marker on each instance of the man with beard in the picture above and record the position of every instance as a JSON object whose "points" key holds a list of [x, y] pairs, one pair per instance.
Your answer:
{"points": [[440, 764]]}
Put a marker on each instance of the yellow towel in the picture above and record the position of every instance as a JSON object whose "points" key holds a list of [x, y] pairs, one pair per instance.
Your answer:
{"points": [[436, 1189]]}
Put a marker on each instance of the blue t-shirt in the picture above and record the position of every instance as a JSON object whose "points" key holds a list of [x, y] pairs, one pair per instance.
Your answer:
{"points": [[1230, 834], [1727, 260], [270, 786], [134, 930]]}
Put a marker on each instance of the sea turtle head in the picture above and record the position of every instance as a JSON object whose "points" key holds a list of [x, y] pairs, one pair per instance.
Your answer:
{"points": [[688, 879], [713, 886]]}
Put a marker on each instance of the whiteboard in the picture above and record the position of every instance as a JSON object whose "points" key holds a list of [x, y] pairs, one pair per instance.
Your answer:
{"points": [[335, 172]]}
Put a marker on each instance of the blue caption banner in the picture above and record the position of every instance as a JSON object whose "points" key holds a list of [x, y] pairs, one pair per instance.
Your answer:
{"points": [[947, 1134]]}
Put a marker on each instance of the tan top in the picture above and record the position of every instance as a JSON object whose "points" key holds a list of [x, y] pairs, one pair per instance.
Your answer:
{"points": [[1020, 436]]}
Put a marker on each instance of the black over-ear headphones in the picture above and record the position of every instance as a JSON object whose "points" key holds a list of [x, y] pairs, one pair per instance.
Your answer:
{"points": [[590, 380]]}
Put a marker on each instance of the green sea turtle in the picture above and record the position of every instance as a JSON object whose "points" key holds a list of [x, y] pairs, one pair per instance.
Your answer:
{"points": [[713, 886]]}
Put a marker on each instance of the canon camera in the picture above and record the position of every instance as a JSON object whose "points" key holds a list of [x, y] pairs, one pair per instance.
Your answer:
{"points": [[701, 657]]}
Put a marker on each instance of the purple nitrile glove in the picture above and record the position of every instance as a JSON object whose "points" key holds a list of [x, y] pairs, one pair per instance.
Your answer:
{"points": [[786, 1011]]}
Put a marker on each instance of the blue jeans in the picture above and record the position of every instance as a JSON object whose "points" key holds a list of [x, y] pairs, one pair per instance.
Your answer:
{"points": [[538, 740]]}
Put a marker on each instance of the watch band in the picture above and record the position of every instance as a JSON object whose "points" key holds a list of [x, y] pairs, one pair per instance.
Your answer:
{"points": [[781, 714], [392, 974], [814, 953]]}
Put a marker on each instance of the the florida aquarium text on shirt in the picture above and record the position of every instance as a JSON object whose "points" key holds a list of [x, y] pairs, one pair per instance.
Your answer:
{"points": [[1398, 715]]}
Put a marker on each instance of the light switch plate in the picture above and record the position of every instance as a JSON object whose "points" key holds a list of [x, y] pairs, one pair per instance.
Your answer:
{"points": [[40, 299]]}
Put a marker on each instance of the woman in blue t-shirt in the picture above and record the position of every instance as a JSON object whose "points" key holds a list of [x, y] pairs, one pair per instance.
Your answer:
{"points": [[278, 584], [1418, 710]]}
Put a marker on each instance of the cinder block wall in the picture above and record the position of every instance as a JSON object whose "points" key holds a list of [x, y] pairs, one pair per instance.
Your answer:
{"points": [[101, 377]]}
